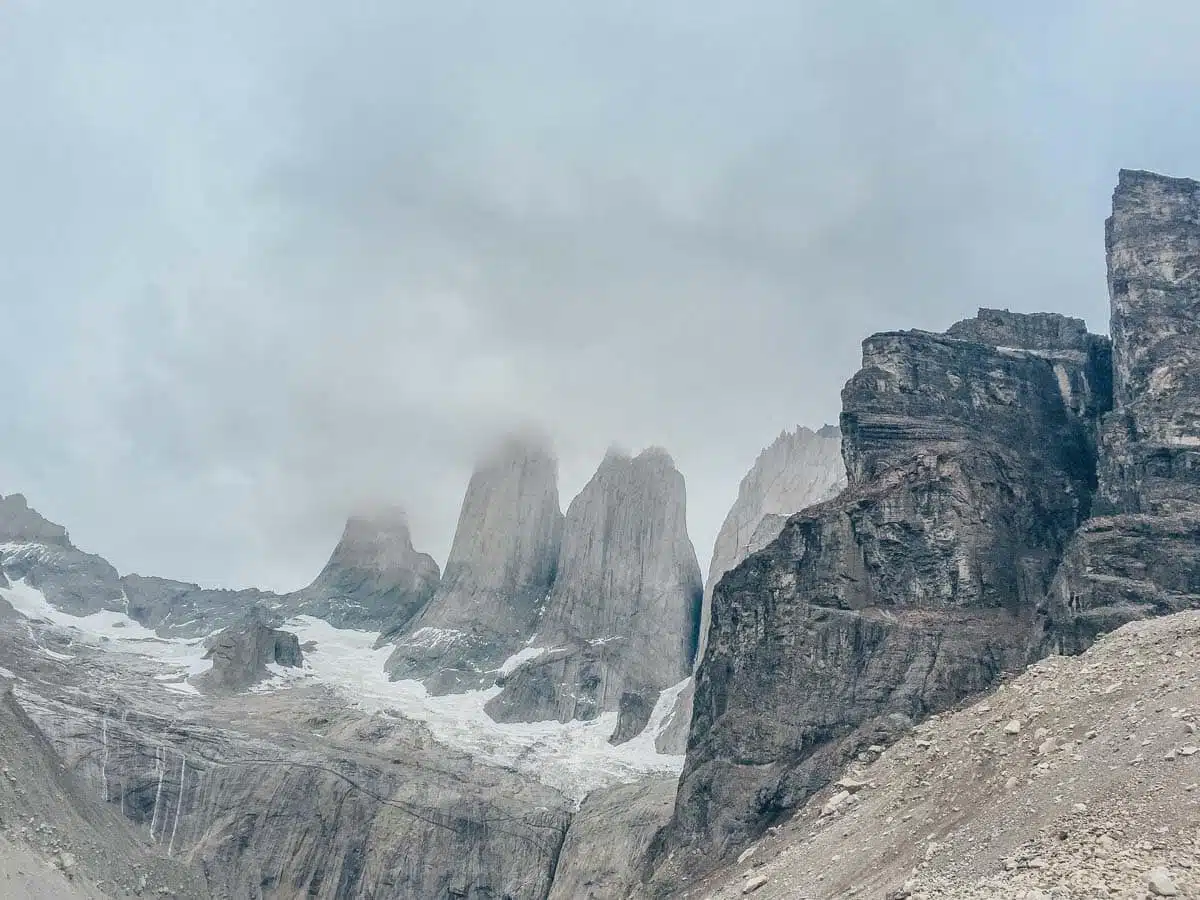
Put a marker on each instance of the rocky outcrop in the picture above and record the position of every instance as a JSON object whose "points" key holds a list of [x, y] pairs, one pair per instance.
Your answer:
{"points": [[375, 578], [181, 609], [1143, 559], [501, 567], [40, 552], [971, 462], [607, 838], [241, 653], [798, 469], [624, 610]]}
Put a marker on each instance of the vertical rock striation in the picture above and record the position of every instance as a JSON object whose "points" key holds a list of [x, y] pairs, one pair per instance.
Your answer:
{"points": [[624, 611], [501, 567], [970, 459], [375, 578], [1143, 558]]}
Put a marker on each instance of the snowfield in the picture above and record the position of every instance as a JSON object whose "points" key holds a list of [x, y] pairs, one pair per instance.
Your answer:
{"points": [[574, 757]]}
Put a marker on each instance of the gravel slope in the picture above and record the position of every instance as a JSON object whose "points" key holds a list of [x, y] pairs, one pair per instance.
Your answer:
{"points": [[1078, 779]]}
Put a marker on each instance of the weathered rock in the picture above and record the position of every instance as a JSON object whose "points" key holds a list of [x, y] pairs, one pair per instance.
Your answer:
{"points": [[241, 653], [633, 713], [497, 578], [609, 837], [375, 578], [970, 465], [39, 552], [1145, 559], [1152, 438], [625, 604], [178, 608], [798, 469]]}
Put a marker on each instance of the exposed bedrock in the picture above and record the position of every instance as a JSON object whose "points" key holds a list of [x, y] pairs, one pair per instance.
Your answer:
{"points": [[499, 573], [624, 610], [971, 463]]}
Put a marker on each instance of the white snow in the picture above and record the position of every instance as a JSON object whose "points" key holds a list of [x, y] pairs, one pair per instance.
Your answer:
{"points": [[432, 637], [521, 657], [113, 631], [574, 757]]}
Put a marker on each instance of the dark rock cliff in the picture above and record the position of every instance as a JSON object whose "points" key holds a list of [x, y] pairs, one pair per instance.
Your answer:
{"points": [[971, 462], [1143, 557], [241, 653]]}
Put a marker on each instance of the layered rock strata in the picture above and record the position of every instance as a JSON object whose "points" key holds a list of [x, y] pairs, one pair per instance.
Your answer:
{"points": [[1143, 557], [970, 459], [623, 614]]}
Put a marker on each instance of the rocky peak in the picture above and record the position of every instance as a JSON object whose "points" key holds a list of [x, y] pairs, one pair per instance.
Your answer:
{"points": [[624, 609], [1152, 439], [20, 524], [1048, 332], [375, 577], [499, 572]]}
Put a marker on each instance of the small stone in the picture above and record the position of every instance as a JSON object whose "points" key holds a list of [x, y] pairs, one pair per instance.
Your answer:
{"points": [[1160, 883], [746, 854], [1013, 727], [1189, 751], [66, 861], [835, 803], [853, 785], [754, 884]]}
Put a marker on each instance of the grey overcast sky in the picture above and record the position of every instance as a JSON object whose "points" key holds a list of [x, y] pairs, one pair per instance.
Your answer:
{"points": [[264, 262]]}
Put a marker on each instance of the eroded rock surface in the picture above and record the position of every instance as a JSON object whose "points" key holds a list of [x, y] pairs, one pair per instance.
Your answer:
{"points": [[624, 610], [501, 566], [971, 463], [375, 578], [241, 653], [798, 469]]}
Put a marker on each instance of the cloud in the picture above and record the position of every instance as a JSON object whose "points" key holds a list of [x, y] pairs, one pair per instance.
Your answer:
{"points": [[268, 264]]}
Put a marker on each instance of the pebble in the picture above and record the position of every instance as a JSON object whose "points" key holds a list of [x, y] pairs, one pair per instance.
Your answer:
{"points": [[1161, 884], [754, 884]]}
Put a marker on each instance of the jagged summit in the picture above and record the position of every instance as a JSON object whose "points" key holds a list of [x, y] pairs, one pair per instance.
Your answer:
{"points": [[500, 569], [20, 524]]}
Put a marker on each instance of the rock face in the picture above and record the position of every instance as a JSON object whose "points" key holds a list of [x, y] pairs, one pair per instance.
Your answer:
{"points": [[499, 573], [798, 469], [41, 553], [624, 610], [375, 579], [178, 608], [971, 461], [1143, 558], [241, 654], [609, 834]]}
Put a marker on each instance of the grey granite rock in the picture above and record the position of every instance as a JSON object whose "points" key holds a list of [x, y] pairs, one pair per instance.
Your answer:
{"points": [[499, 573], [608, 839], [39, 552], [624, 609], [971, 462], [181, 609], [241, 653], [375, 578]]}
